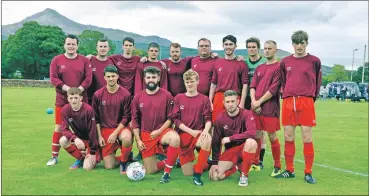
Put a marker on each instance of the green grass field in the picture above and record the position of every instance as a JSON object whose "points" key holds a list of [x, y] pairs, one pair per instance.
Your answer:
{"points": [[340, 141]]}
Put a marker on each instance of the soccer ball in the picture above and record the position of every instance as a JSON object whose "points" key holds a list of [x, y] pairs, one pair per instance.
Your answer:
{"points": [[136, 171]]}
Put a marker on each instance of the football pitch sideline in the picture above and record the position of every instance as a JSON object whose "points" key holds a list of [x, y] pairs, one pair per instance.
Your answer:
{"points": [[340, 164]]}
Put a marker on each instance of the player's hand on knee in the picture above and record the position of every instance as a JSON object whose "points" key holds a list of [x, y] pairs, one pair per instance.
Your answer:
{"points": [[101, 141], [141, 146], [91, 161], [205, 136], [112, 138], [213, 172], [79, 143]]}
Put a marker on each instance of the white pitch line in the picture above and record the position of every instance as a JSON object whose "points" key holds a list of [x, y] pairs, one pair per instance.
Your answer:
{"points": [[329, 167]]}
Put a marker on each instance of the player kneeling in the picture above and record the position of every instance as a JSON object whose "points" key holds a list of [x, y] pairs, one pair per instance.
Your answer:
{"points": [[232, 127], [112, 105], [153, 111], [193, 127], [81, 118]]}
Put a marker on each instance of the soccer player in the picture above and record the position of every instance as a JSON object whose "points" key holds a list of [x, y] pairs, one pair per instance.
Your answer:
{"points": [[79, 126], [264, 93], [235, 129], [193, 127], [301, 77], [152, 51], [112, 105], [67, 70], [153, 111], [254, 60], [229, 74], [98, 65]]}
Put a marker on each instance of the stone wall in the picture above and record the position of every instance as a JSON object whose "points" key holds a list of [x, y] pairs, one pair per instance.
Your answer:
{"points": [[26, 83]]}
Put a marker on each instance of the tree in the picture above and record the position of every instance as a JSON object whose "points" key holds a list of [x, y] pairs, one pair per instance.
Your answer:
{"points": [[338, 73], [31, 49], [325, 80], [357, 75], [88, 40], [140, 53]]}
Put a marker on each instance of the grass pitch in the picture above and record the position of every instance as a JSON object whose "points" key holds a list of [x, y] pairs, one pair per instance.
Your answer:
{"points": [[340, 142]]}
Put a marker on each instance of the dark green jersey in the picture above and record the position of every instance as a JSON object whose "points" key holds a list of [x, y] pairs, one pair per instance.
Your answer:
{"points": [[252, 66]]}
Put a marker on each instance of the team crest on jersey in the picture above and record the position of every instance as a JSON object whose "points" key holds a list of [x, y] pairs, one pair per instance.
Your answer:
{"points": [[258, 73], [181, 107], [141, 105], [172, 102], [93, 69], [119, 63], [288, 68], [252, 118], [70, 119], [168, 69], [220, 69], [195, 66], [93, 118], [103, 102], [225, 127], [89, 65], [62, 66]]}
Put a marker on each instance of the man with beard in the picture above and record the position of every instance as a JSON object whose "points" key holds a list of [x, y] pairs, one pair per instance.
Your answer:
{"points": [[193, 126], [253, 61], [301, 77], [153, 111], [235, 129], [152, 51], [229, 74], [67, 70], [112, 105], [98, 65], [264, 93], [79, 126]]}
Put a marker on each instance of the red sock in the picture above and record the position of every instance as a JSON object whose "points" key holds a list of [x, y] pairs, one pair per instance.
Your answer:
{"points": [[125, 153], [160, 165], [230, 171], [73, 150], [309, 157], [55, 146], [171, 158], [201, 161], [289, 153], [276, 152], [257, 155], [247, 158]]}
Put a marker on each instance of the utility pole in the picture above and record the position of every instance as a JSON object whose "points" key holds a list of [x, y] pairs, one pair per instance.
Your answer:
{"points": [[362, 77], [353, 57]]}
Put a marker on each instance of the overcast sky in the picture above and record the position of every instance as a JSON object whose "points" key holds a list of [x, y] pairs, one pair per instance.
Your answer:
{"points": [[334, 28]]}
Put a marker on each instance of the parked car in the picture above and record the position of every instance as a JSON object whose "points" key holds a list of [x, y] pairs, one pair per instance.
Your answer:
{"points": [[362, 88], [352, 89]]}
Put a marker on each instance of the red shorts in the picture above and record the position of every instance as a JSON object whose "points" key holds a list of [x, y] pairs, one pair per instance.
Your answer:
{"points": [[232, 154], [298, 111], [153, 146], [188, 145], [218, 105], [110, 148], [58, 117], [268, 124]]}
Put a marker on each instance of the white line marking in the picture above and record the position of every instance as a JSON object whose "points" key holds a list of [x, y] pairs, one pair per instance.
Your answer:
{"points": [[329, 167]]}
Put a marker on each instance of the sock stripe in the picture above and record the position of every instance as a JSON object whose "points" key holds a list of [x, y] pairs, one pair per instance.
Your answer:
{"points": [[55, 152], [55, 144]]}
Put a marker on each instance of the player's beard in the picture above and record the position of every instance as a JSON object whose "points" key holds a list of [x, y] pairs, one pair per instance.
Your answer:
{"points": [[232, 111], [175, 58], [153, 86]]}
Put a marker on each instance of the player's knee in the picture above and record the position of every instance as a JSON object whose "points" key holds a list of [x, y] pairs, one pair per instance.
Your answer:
{"points": [[206, 144], [109, 165], [88, 167], [174, 139], [126, 140], [57, 128], [307, 138], [250, 145], [289, 136], [272, 136], [259, 134], [64, 142]]}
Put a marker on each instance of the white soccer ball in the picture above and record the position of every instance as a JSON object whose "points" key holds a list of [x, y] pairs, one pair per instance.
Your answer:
{"points": [[136, 171]]}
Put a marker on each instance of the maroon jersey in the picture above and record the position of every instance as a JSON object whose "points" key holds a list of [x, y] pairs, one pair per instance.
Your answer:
{"points": [[98, 80], [82, 123], [140, 83], [205, 69], [149, 112], [175, 75], [194, 112], [71, 72], [238, 128], [112, 108], [268, 78], [230, 75], [301, 76], [127, 70]]}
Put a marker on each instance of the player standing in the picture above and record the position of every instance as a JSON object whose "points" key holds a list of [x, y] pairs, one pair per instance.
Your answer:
{"points": [[80, 117], [264, 93], [235, 129], [193, 127], [229, 74], [98, 65], [301, 77], [112, 105], [67, 70], [153, 111]]}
